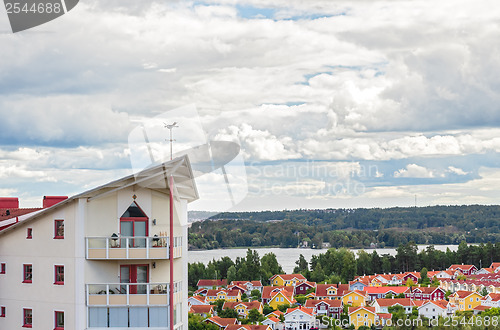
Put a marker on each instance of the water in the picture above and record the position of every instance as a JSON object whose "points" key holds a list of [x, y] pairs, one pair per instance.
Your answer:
{"points": [[287, 257]]}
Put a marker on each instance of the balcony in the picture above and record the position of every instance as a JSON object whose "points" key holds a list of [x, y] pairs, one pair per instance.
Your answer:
{"points": [[131, 294], [137, 247]]}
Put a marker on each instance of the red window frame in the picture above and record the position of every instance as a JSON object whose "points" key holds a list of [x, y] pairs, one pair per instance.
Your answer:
{"points": [[59, 274], [58, 326], [2, 268], [27, 273], [2, 311], [56, 227], [29, 233], [27, 318]]}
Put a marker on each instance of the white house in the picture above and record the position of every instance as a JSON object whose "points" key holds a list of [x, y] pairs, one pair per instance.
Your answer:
{"points": [[433, 309], [491, 300], [299, 318], [112, 257]]}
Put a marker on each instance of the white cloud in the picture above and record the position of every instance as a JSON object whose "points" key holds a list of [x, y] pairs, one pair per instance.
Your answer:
{"points": [[414, 171], [456, 170]]}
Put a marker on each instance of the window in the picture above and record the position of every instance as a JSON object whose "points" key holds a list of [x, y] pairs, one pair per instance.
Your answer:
{"points": [[59, 275], [27, 318], [59, 321], [29, 233], [58, 229], [2, 268], [2, 311], [27, 273]]}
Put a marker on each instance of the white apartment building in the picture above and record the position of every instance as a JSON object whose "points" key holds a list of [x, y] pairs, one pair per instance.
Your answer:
{"points": [[111, 257]]}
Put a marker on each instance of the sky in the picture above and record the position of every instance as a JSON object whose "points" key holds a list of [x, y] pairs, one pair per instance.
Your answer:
{"points": [[331, 104]]}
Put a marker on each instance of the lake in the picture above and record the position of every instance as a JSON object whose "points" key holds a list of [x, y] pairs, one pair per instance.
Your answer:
{"points": [[287, 256]]}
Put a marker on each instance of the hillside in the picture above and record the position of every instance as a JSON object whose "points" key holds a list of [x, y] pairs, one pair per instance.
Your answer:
{"points": [[349, 227]]}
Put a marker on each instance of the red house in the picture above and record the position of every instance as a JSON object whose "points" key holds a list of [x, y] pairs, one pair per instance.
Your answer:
{"points": [[331, 308], [464, 269], [425, 293], [303, 287]]}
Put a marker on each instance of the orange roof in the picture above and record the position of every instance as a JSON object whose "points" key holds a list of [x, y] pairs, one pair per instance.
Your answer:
{"points": [[439, 303], [274, 319], [199, 298], [384, 315], [223, 322], [249, 305], [276, 313], [289, 277], [493, 296], [267, 292], [495, 265], [306, 310], [462, 294], [246, 327], [481, 308], [354, 309], [202, 309]]}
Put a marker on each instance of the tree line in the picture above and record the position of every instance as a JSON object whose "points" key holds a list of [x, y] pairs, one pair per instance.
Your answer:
{"points": [[341, 265], [352, 228]]}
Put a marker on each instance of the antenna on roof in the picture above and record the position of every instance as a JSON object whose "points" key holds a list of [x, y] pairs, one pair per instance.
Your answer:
{"points": [[171, 127]]}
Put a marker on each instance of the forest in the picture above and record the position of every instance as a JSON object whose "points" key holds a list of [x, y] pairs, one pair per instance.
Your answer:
{"points": [[351, 228], [341, 265]]}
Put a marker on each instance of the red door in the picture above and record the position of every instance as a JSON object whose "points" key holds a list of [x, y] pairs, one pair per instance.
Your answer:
{"points": [[134, 274]]}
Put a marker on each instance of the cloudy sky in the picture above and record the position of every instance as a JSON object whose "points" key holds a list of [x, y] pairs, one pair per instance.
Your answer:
{"points": [[333, 103]]}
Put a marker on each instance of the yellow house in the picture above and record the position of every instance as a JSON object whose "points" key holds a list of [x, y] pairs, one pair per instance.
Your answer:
{"points": [[466, 300], [359, 316], [375, 283], [227, 295], [243, 308], [287, 279], [354, 298], [280, 298]]}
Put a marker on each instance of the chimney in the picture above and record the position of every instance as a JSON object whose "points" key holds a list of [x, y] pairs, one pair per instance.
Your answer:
{"points": [[9, 203], [48, 201]]}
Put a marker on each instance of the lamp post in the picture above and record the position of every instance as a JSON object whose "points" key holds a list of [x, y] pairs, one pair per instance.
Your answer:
{"points": [[171, 127]]}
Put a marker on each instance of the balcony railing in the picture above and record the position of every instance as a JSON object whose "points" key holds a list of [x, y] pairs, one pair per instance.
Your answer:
{"points": [[132, 294], [137, 247]]}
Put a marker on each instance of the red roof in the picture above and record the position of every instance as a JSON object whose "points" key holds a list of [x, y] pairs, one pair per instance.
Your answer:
{"points": [[481, 308], [212, 283], [16, 212], [244, 283], [385, 289], [202, 309], [384, 315], [462, 267], [337, 303], [439, 303], [386, 302], [493, 296], [322, 289], [246, 327], [495, 265]]}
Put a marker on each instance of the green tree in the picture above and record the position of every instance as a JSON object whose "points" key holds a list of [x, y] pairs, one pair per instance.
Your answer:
{"points": [[270, 266], [228, 313], [255, 294], [195, 322], [254, 316], [266, 309]]}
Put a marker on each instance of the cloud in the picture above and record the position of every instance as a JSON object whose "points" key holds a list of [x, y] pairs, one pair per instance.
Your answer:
{"points": [[414, 171]]}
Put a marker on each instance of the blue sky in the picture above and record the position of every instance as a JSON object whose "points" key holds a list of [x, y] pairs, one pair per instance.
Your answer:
{"points": [[344, 104]]}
